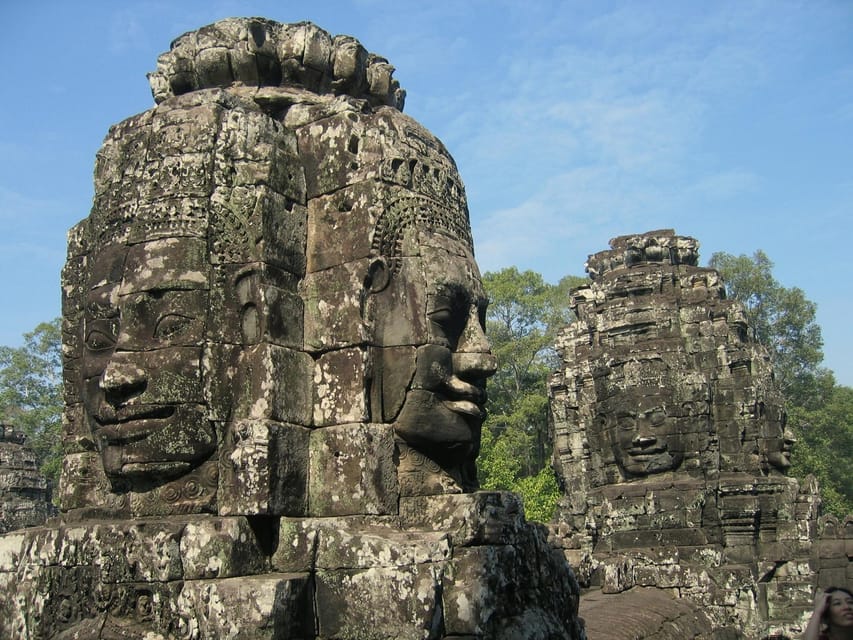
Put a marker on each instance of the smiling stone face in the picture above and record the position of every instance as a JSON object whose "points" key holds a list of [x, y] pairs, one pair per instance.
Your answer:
{"points": [[182, 324], [143, 334], [644, 437]]}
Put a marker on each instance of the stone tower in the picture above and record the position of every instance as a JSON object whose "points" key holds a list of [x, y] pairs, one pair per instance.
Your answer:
{"points": [[671, 446], [275, 364], [24, 492]]}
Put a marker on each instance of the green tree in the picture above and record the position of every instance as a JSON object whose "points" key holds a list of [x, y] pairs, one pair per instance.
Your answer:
{"points": [[523, 317], [783, 320], [825, 448], [31, 392]]}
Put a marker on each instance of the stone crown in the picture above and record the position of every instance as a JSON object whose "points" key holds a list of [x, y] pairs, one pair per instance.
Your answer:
{"points": [[263, 53]]}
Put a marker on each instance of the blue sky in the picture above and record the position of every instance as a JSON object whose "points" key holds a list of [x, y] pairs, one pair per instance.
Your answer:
{"points": [[571, 122]]}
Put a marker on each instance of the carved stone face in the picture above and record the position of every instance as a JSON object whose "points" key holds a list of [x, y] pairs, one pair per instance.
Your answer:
{"points": [[780, 447], [434, 357], [143, 332], [645, 436]]}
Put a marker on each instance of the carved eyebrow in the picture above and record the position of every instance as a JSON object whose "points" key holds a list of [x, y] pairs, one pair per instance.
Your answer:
{"points": [[97, 309], [449, 288], [157, 289], [166, 286], [457, 292]]}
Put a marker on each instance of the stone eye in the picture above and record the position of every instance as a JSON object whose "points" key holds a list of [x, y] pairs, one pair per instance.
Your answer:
{"points": [[97, 340], [448, 320], [657, 417], [171, 325], [627, 422]]}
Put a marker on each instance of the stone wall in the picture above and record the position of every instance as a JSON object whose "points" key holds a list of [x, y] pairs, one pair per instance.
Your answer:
{"points": [[24, 491]]}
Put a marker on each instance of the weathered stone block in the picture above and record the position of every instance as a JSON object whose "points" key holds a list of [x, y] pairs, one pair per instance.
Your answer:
{"points": [[138, 551], [296, 551], [255, 223], [355, 548], [484, 517], [220, 548], [352, 471], [341, 215], [656, 538], [274, 383], [264, 469], [274, 605], [82, 482], [342, 150], [394, 602], [333, 307], [478, 579], [340, 383], [254, 303]]}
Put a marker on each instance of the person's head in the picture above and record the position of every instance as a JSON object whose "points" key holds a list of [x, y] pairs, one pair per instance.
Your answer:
{"points": [[839, 610], [426, 307]]}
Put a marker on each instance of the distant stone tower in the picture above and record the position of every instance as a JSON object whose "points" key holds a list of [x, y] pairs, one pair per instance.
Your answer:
{"points": [[24, 491], [670, 443]]}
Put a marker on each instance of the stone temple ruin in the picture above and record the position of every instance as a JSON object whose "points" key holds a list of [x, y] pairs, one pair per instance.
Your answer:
{"points": [[274, 368], [24, 491], [671, 446]]}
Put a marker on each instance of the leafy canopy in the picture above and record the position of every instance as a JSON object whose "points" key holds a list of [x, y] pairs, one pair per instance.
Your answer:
{"points": [[820, 413], [31, 392], [523, 317], [780, 318]]}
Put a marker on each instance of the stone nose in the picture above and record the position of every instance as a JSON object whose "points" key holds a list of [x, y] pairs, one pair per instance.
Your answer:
{"points": [[123, 379], [474, 365], [473, 339]]}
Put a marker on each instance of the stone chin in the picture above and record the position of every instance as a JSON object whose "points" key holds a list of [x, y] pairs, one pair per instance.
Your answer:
{"points": [[780, 460], [448, 431], [152, 451]]}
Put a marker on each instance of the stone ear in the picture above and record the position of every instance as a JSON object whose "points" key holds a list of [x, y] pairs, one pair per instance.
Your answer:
{"points": [[378, 275]]}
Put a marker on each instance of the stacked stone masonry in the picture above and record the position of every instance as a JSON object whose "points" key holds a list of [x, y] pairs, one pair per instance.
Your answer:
{"points": [[670, 444], [275, 367], [24, 491]]}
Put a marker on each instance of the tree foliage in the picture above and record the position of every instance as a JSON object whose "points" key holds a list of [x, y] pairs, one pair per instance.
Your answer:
{"points": [[31, 392], [523, 317], [783, 320], [824, 448]]}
